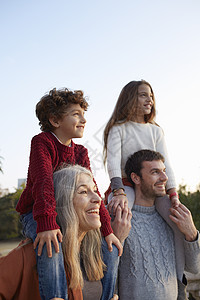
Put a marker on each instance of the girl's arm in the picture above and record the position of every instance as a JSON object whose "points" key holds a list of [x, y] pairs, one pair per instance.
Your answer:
{"points": [[114, 148]]}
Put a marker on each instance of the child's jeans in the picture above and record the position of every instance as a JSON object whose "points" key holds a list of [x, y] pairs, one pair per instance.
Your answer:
{"points": [[51, 272], [111, 260]]}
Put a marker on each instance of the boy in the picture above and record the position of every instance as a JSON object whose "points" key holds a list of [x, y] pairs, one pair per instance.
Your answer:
{"points": [[61, 118]]}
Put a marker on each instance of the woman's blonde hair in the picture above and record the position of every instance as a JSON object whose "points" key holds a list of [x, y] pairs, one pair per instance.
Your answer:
{"points": [[126, 108], [65, 185]]}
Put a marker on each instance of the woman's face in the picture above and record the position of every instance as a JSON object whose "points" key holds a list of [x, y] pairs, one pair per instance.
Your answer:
{"points": [[87, 203]]}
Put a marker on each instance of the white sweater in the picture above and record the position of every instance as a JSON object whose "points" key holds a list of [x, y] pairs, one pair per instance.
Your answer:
{"points": [[130, 137]]}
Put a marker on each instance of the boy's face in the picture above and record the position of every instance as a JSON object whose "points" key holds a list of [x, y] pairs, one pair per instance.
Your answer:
{"points": [[72, 124]]}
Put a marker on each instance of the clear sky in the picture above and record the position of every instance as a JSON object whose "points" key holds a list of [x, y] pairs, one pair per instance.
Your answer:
{"points": [[99, 46]]}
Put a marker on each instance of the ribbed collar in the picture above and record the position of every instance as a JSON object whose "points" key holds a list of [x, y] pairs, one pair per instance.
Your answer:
{"points": [[144, 209]]}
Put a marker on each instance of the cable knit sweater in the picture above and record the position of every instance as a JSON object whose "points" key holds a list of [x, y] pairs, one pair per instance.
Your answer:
{"points": [[46, 155], [130, 137], [147, 267]]}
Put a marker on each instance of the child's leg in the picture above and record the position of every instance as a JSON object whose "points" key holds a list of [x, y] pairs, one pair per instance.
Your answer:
{"points": [[51, 271], [111, 261], [130, 194], [163, 205]]}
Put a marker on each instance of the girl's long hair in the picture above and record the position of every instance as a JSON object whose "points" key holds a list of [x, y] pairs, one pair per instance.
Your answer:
{"points": [[126, 108], [65, 184]]}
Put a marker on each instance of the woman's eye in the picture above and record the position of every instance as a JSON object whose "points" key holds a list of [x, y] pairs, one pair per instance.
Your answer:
{"points": [[83, 192]]}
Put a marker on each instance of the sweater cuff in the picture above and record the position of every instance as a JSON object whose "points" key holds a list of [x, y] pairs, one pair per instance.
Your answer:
{"points": [[46, 223], [106, 230], [192, 246], [116, 183]]}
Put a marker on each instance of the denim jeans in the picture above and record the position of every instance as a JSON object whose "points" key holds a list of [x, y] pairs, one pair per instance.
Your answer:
{"points": [[51, 271], [111, 261]]}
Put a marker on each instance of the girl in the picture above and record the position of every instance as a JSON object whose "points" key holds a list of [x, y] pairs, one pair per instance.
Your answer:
{"points": [[131, 128]]}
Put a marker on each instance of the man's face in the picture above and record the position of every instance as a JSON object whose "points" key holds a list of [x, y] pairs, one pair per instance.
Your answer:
{"points": [[153, 179]]}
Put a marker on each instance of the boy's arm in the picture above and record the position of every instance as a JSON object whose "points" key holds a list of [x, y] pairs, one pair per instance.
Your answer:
{"points": [[42, 159]]}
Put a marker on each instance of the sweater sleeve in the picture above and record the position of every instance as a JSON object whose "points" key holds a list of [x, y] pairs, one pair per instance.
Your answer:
{"points": [[162, 148], [114, 151], [192, 256], [41, 175], [105, 219]]}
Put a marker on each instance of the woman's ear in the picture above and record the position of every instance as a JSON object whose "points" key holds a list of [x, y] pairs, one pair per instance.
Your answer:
{"points": [[135, 178], [54, 122]]}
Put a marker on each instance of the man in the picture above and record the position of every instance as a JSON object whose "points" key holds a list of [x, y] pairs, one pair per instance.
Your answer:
{"points": [[147, 267]]}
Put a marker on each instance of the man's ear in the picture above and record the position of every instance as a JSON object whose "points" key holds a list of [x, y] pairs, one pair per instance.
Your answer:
{"points": [[135, 178], [54, 122]]}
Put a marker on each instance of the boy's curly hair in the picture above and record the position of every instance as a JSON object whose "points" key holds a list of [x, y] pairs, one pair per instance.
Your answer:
{"points": [[55, 104]]}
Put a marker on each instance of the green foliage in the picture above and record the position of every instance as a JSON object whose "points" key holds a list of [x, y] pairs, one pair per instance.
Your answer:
{"points": [[192, 201], [10, 226]]}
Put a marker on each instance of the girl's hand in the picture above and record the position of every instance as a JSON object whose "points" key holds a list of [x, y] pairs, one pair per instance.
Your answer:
{"points": [[48, 237], [115, 297], [118, 199], [175, 201], [112, 239]]}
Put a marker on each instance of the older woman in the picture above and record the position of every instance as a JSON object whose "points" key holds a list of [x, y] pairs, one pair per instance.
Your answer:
{"points": [[78, 215]]}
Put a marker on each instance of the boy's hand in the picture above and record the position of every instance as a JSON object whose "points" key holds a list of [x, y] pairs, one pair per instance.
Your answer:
{"points": [[115, 297], [112, 239], [48, 237], [115, 201]]}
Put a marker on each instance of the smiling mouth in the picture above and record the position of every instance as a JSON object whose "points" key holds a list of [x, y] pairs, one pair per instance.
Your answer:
{"points": [[93, 211], [148, 106]]}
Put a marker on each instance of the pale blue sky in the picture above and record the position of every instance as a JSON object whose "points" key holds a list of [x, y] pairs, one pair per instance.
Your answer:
{"points": [[99, 46]]}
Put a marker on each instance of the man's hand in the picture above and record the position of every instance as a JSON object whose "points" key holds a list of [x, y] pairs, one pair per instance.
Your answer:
{"points": [[122, 222], [117, 200], [48, 237], [112, 239], [182, 217]]}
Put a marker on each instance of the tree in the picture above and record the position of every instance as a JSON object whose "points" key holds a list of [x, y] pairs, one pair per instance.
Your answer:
{"points": [[10, 226]]}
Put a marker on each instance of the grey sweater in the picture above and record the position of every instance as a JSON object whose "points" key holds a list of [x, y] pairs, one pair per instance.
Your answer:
{"points": [[147, 267]]}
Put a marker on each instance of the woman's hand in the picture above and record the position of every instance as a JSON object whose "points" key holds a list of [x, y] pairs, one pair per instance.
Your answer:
{"points": [[115, 297], [48, 237], [112, 239], [122, 222]]}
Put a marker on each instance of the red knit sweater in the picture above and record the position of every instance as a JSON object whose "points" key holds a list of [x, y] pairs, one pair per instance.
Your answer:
{"points": [[47, 154]]}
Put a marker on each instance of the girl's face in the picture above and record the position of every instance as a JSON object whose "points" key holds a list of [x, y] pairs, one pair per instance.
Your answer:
{"points": [[87, 203], [145, 102]]}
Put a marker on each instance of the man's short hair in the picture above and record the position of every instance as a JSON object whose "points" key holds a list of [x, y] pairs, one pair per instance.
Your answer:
{"points": [[134, 162]]}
